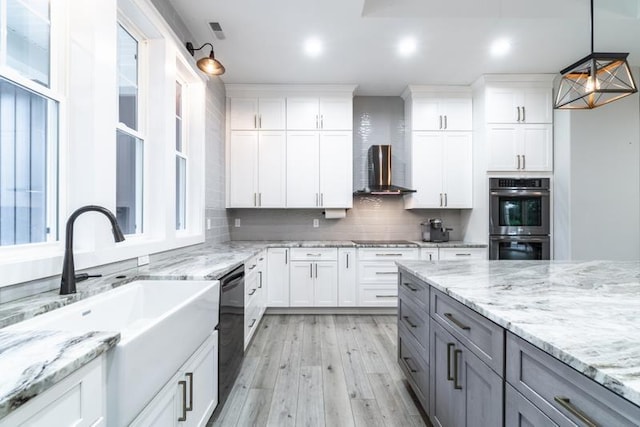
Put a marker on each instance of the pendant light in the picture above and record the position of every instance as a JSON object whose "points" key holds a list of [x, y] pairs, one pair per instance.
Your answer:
{"points": [[208, 64], [595, 80]]}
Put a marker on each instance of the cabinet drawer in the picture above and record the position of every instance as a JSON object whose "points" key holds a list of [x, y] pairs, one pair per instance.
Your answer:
{"points": [[389, 254], [519, 412], [314, 254], [561, 392], [483, 337], [378, 272], [462, 253], [414, 289], [416, 322], [415, 367], [377, 296]]}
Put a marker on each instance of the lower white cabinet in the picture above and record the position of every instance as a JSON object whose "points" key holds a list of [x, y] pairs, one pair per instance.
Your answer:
{"points": [[190, 396], [78, 400], [429, 254], [278, 277], [255, 298], [314, 284], [347, 277], [378, 275]]}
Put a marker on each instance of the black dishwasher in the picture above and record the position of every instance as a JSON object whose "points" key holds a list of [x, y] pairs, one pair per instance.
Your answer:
{"points": [[230, 333]]}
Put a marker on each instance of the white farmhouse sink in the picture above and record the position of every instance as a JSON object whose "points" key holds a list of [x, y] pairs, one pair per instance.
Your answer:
{"points": [[161, 324]]}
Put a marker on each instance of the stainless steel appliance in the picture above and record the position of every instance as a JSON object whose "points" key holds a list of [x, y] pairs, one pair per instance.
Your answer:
{"points": [[230, 333], [379, 167], [519, 218], [434, 231]]}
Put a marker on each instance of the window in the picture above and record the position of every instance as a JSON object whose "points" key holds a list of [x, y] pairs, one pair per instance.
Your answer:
{"points": [[28, 126], [181, 161], [129, 139]]}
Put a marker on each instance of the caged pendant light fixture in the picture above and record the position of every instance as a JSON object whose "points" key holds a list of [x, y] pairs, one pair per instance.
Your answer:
{"points": [[595, 80], [208, 64]]}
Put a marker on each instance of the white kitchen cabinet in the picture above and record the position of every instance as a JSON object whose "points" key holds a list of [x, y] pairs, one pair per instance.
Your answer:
{"points": [[314, 277], [520, 147], [378, 275], [452, 113], [325, 113], [442, 172], [190, 396], [347, 277], [257, 168], [78, 400], [517, 103], [255, 298], [319, 169], [277, 277], [257, 113]]}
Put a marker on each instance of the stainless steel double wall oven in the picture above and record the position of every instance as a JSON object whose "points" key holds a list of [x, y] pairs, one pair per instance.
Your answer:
{"points": [[519, 218]]}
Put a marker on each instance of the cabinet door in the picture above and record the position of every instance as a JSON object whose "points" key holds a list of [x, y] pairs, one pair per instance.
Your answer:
{"points": [[243, 169], [538, 105], [303, 169], [202, 382], [456, 114], [302, 114], [277, 277], [519, 412], [457, 180], [442, 401], [503, 148], [325, 290], [165, 408], [425, 114], [502, 104], [301, 284], [537, 147], [347, 278], [272, 113], [336, 169], [427, 169], [272, 157], [336, 113], [244, 113]]}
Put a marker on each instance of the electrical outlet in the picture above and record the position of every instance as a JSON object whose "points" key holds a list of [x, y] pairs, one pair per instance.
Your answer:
{"points": [[237, 222], [143, 260], [208, 223], [316, 223]]}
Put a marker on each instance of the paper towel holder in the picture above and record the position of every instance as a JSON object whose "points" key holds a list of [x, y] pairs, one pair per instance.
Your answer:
{"points": [[334, 213]]}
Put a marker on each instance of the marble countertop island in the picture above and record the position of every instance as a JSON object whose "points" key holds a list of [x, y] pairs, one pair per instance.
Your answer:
{"points": [[586, 314]]}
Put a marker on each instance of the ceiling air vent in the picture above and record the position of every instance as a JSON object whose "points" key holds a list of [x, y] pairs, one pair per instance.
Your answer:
{"points": [[217, 30]]}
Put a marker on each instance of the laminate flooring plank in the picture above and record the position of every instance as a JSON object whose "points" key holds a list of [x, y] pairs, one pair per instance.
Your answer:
{"points": [[310, 411], [337, 408], [371, 355], [311, 342], [390, 327], [261, 337], [366, 413], [256, 408], [267, 371], [377, 338], [285, 394], [354, 373], [238, 395], [389, 401]]}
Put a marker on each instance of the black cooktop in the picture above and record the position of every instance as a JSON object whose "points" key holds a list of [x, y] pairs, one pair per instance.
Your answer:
{"points": [[383, 242]]}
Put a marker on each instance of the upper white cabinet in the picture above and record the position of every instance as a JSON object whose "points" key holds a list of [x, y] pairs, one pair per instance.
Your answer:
{"points": [[514, 103], [520, 147], [449, 112], [326, 113], [257, 113]]}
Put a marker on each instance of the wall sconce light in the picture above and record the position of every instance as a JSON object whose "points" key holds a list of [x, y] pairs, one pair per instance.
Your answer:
{"points": [[208, 64]]}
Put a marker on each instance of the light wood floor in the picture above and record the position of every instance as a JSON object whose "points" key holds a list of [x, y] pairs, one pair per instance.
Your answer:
{"points": [[322, 370]]}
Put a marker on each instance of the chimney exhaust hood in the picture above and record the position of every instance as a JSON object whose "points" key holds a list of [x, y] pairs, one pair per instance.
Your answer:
{"points": [[379, 165]]}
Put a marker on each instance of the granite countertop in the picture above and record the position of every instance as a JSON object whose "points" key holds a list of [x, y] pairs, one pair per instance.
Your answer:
{"points": [[587, 314]]}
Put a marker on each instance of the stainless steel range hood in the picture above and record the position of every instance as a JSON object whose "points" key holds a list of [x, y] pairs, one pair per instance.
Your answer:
{"points": [[379, 165]]}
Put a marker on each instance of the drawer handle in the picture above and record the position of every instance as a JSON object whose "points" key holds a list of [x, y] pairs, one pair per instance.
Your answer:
{"points": [[252, 267], [406, 360], [408, 285], [253, 322], [463, 254], [386, 296], [183, 384], [252, 291], [190, 376], [314, 254], [386, 272], [388, 254], [456, 353], [406, 318], [565, 402], [456, 322], [449, 347]]}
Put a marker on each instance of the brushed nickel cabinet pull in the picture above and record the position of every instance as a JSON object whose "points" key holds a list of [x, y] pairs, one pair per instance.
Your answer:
{"points": [[456, 322], [347, 259], [286, 256], [406, 360], [253, 322], [456, 353], [430, 257], [316, 199], [184, 400], [406, 318], [314, 254], [524, 165], [524, 115], [518, 113], [255, 121], [440, 122], [518, 161], [383, 273], [321, 199], [316, 270], [388, 254], [449, 347], [565, 402], [386, 296], [445, 122], [463, 254], [252, 291], [189, 375], [252, 267], [322, 121], [440, 199], [446, 202], [260, 122], [260, 282], [311, 270], [408, 285], [317, 121], [259, 199], [255, 199]]}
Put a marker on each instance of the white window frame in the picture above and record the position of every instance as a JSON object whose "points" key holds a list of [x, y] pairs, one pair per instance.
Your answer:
{"points": [[184, 152]]}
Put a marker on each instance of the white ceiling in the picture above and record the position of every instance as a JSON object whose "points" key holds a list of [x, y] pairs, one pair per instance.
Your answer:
{"points": [[264, 38]]}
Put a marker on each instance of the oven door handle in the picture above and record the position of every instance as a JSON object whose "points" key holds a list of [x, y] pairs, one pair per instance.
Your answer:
{"points": [[512, 238], [528, 193]]}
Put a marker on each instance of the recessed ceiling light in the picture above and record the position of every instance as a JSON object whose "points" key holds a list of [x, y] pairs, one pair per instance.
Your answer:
{"points": [[407, 46], [313, 46], [500, 47]]}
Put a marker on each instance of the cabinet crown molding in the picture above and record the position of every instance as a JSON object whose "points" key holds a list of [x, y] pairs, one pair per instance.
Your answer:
{"points": [[234, 90], [417, 91]]}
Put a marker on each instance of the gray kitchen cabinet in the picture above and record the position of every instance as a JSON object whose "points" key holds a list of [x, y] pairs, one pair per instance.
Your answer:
{"points": [[464, 390], [519, 412]]}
